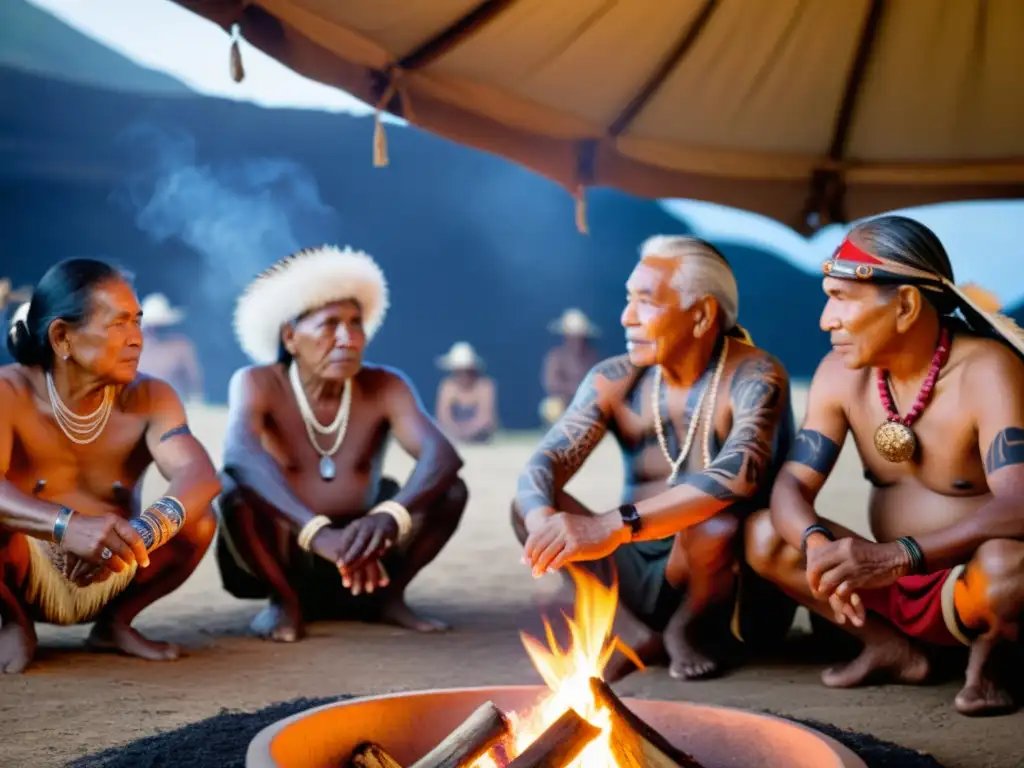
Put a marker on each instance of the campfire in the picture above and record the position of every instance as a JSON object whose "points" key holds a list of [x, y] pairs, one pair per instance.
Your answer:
{"points": [[580, 723]]}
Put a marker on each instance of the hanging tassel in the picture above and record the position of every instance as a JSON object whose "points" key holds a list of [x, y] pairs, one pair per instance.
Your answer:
{"points": [[237, 70], [380, 140], [581, 210], [380, 143]]}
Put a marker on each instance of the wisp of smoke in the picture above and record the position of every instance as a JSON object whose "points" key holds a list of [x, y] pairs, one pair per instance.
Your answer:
{"points": [[240, 216]]}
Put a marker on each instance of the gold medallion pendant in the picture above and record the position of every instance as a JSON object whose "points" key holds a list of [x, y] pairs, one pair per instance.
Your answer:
{"points": [[895, 442]]}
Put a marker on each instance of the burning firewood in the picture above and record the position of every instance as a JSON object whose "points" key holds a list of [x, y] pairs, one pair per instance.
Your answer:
{"points": [[481, 731], [634, 742], [559, 744], [370, 755]]}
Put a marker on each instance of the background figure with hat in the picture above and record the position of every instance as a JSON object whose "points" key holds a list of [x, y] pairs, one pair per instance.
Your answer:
{"points": [[466, 404], [566, 365], [169, 356]]}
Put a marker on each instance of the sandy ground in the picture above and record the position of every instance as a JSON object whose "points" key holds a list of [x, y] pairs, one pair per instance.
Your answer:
{"points": [[72, 702]]}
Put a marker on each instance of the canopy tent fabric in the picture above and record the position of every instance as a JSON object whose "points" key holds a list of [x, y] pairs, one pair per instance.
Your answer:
{"points": [[807, 111]]}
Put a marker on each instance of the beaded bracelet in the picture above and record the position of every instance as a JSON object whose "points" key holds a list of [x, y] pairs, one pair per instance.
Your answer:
{"points": [[159, 522], [913, 550], [812, 529]]}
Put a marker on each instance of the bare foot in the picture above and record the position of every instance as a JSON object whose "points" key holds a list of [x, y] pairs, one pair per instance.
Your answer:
{"points": [[896, 660], [691, 664], [118, 637], [688, 662], [278, 623], [395, 611], [17, 647], [982, 695]]}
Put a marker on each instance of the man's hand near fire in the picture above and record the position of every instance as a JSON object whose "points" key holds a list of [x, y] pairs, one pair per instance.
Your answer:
{"points": [[556, 539]]}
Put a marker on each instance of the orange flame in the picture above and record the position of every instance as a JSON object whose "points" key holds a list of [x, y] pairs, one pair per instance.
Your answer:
{"points": [[567, 673]]}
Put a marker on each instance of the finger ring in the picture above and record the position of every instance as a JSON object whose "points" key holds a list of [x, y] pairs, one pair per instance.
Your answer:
{"points": [[106, 554]]}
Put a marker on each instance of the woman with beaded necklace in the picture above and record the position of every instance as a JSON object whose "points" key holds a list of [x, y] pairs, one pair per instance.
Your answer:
{"points": [[935, 404], [78, 430]]}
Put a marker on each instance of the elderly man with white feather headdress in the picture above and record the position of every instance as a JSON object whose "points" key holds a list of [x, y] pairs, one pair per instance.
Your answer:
{"points": [[307, 518]]}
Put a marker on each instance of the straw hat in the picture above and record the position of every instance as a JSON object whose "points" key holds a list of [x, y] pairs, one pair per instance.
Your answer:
{"points": [[573, 322], [461, 357], [157, 312]]}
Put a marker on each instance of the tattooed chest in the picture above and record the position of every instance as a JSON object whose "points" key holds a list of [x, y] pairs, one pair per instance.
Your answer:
{"points": [[636, 430]]}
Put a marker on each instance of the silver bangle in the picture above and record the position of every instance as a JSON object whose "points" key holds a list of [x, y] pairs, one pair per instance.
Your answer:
{"points": [[60, 525]]}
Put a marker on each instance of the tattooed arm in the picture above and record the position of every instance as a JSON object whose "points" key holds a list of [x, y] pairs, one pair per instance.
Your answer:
{"points": [[178, 455], [758, 397], [572, 439], [996, 382], [813, 455]]}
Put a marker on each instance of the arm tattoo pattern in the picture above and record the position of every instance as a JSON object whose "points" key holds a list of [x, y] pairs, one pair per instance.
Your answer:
{"points": [[570, 441], [814, 450], [181, 429], [1007, 449], [743, 463]]}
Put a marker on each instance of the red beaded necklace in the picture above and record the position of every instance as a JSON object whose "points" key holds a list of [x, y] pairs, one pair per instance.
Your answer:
{"points": [[894, 439]]}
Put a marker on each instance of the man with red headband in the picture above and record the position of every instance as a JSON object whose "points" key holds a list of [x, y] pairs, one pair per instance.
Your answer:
{"points": [[934, 403]]}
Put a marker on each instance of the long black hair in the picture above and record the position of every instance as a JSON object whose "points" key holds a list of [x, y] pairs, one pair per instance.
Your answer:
{"points": [[63, 293], [909, 242]]}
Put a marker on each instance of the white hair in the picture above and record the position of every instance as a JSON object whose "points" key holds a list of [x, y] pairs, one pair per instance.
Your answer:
{"points": [[700, 271]]}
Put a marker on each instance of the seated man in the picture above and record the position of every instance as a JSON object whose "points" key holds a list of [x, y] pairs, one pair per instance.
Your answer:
{"points": [[466, 410], [566, 365], [306, 517], [702, 418], [78, 430], [936, 411]]}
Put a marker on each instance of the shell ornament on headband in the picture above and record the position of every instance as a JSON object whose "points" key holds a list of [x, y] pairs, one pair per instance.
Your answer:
{"points": [[894, 439]]}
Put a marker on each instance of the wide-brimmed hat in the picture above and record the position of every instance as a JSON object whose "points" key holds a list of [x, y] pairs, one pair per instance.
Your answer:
{"points": [[573, 322], [157, 312], [301, 283], [461, 357]]}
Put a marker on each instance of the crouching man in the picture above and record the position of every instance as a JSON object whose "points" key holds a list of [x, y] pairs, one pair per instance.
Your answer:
{"points": [[702, 418], [307, 519], [936, 408]]}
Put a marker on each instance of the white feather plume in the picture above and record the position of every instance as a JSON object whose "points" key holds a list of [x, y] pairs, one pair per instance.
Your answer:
{"points": [[307, 280]]}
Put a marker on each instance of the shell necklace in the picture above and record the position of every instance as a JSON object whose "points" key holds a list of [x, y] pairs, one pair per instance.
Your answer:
{"points": [[80, 430], [339, 426], [691, 431]]}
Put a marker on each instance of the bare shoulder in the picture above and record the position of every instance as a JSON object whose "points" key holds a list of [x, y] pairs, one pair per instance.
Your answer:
{"points": [[749, 362], [14, 383], [252, 384], [384, 379], [148, 394], [611, 378], [988, 365], [833, 381]]}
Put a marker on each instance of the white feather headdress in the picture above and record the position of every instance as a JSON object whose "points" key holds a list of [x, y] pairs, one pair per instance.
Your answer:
{"points": [[300, 283]]}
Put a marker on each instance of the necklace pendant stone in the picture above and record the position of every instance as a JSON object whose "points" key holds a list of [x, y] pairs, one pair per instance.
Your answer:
{"points": [[327, 468], [895, 442]]}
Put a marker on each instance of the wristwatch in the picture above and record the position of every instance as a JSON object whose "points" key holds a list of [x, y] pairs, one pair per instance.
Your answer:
{"points": [[631, 518]]}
